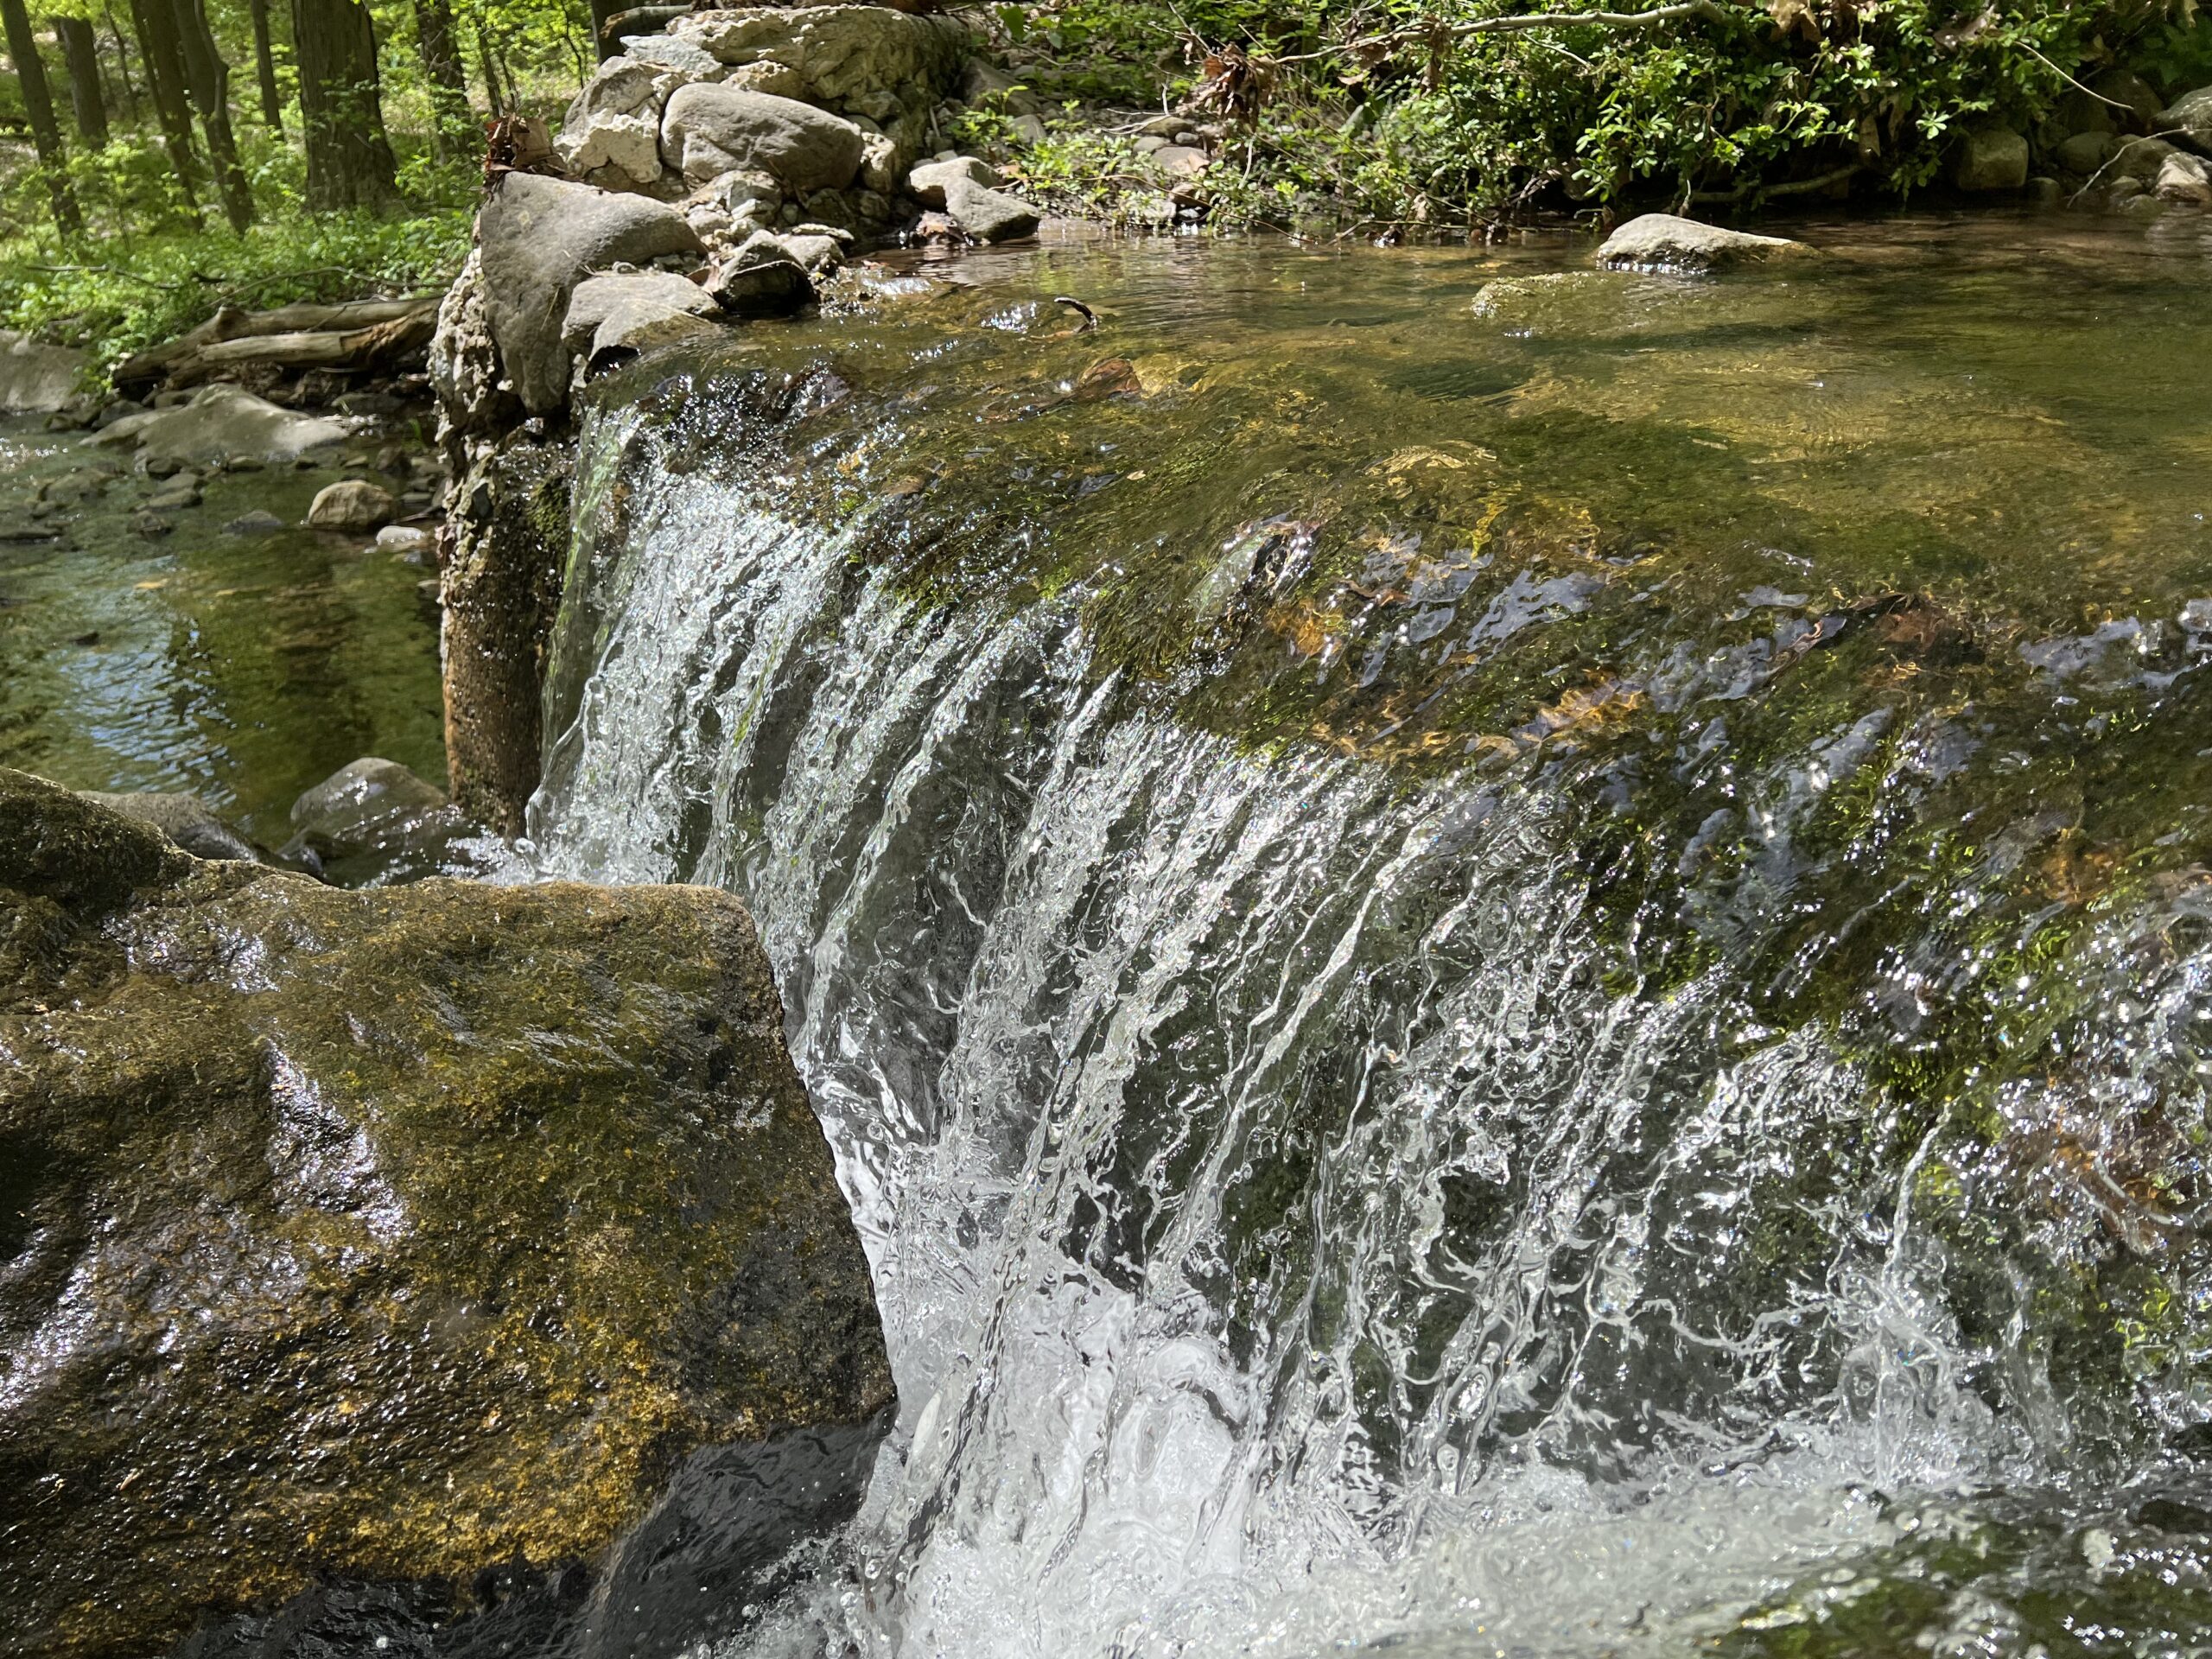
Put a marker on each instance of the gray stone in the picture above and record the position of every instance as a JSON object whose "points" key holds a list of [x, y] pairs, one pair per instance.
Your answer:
{"points": [[36, 378], [677, 57], [709, 131], [464, 361], [985, 85], [618, 86], [259, 522], [2139, 100], [445, 1222], [2189, 117], [928, 182], [2045, 193], [1989, 159], [2186, 179], [353, 504], [404, 538], [184, 819], [2142, 158], [625, 145], [764, 277], [359, 807], [989, 215], [2145, 206], [222, 425], [625, 314], [778, 79], [174, 497], [1028, 129], [1664, 241], [2085, 152], [539, 238], [1179, 160], [841, 52]]}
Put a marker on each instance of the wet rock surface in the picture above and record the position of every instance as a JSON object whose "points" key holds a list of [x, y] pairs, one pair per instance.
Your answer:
{"points": [[1664, 241], [453, 1248]]}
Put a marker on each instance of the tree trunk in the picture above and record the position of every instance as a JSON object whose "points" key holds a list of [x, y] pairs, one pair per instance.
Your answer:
{"points": [[162, 55], [38, 105], [209, 79], [439, 45], [342, 106], [264, 66], [82, 50], [484, 63], [604, 12], [121, 65]]}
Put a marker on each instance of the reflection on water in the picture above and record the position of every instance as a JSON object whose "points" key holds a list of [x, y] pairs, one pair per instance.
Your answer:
{"points": [[1501, 961], [241, 667]]}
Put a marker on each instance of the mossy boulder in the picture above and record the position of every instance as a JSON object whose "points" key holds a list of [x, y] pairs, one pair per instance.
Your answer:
{"points": [[396, 1236]]}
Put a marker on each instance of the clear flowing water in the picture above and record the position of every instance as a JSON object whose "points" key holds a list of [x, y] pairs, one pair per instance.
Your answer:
{"points": [[1501, 960], [240, 667]]}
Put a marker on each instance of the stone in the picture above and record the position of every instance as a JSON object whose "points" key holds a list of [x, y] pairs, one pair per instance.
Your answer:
{"points": [[618, 316], [174, 498], [352, 504], [259, 522], [2138, 99], [778, 79], [927, 182], [2185, 179], [1989, 159], [989, 215], [474, 400], [841, 52], [538, 238], [628, 145], [222, 425], [985, 85], [2143, 206], [2189, 117], [37, 379], [360, 1240], [709, 131], [1664, 241], [765, 277], [680, 58], [2086, 152], [362, 808], [2142, 158], [1028, 129], [404, 538], [620, 86], [184, 819], [2045, 193], [1179, 160]]}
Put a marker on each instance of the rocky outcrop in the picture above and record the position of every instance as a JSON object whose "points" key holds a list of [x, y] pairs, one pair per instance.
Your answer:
{"points": [[536, 239], [1663, 242], [37, 378], [358, 1241]]}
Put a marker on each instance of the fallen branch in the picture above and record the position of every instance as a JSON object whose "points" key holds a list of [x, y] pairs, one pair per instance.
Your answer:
{"points": [[351, 333]]}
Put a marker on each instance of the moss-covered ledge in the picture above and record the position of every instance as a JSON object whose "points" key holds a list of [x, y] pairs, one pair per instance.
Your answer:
{"points": [[393, 1235]]}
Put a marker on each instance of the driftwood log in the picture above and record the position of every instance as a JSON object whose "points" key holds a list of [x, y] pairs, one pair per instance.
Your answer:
{"points": [[357, 334]]}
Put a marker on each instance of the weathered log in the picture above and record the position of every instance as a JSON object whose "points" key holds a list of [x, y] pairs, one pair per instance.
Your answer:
{"points": [[231, 323], [376, 346]]}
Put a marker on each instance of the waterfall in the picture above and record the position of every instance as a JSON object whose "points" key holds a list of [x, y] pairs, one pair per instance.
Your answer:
{"points": [[1303, 1212]]}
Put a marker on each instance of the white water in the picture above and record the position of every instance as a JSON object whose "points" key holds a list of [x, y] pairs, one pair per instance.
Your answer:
{"points": [[1284, 1238]]}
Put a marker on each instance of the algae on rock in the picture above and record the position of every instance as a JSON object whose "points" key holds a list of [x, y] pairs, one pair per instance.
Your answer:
{"points": [[397, 1235]]}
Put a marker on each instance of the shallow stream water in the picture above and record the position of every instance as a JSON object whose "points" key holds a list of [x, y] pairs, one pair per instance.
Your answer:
{"points": [[1502, 960]]}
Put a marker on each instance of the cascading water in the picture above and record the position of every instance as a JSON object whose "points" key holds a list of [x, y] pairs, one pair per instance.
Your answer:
{"points": [[1511, 968]]}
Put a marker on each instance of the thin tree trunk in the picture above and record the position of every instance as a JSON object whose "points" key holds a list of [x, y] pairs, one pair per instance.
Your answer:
{"points": [[38, 105], [82, 48], [438, 44], [162, 55], [484, 64], [209, 79], [264, 66], [342, 106], [121, 65], [604, 12]]}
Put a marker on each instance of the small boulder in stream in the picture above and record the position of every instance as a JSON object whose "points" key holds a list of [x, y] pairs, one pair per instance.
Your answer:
{"points": [[352, 504], [1665, 241], [223, 425], [453, 1263]]}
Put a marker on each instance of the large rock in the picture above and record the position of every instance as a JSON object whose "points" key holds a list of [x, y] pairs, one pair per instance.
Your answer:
{"points": [[620, 86], [1663, 242], [2186, 179], [763, 277], [620, 315], [1989, 159], [224, 423], [2189, 118], [843, 54], [624, 148], [538, 238], [361, 806], [413, 1237], [184, 819], [928, 182], [987, 215], [709, 131], [35, 378]]}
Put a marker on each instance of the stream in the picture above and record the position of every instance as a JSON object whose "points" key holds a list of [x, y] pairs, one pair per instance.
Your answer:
{"points": [[1502, 960]]}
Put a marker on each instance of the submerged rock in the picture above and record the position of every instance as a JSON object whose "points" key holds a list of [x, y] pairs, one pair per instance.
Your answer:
{"points": [[411, 1237], [223, 425], [1664, 241], [352, 504], [184, 819]]}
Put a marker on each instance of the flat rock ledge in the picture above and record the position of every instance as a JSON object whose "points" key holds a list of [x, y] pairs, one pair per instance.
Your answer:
{"points": [[467, 1253], [1663, 242]]}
